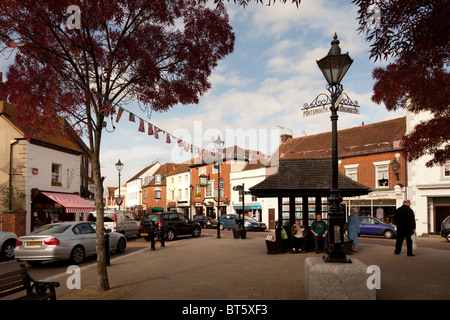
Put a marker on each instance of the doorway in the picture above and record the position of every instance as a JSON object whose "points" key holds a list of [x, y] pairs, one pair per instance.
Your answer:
{"points": [[271, 218], [440, 213]]}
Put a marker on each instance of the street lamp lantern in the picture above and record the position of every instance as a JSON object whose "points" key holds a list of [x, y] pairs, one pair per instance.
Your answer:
{"points": [[218, 143], [335, 65], [119, 166]]}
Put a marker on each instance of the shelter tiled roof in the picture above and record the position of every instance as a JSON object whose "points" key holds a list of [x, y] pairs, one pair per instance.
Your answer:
{"points": [[306, 177]]}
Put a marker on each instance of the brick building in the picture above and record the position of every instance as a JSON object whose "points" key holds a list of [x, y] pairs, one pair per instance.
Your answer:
{"points": [[369, 154], [154, 189]]}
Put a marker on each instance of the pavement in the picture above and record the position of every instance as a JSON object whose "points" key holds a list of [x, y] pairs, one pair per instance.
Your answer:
{"points": [[208, 268]]}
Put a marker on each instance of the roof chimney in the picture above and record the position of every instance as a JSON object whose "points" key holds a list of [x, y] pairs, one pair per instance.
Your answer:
{"points": [[285, 137]]}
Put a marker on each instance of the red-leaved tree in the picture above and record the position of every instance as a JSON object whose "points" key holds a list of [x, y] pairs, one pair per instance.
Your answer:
{"points": [[415, 34], [159, 53]]}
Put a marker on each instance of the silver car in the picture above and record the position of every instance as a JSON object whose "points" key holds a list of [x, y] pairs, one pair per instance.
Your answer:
{"points": [[71, 241], [7, 244]]}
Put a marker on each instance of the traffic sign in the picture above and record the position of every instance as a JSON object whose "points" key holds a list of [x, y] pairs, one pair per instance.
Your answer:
{"points": [[119, 200]]}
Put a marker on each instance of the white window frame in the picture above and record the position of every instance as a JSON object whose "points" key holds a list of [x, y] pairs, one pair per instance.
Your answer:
{"points": [[202, 171], [56, 176], [351, 171], [378, 166], [210, 189], [446, 170]]}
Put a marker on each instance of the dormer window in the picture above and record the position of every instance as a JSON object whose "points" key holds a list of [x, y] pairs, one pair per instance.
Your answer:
{"points": [[158, 179]]}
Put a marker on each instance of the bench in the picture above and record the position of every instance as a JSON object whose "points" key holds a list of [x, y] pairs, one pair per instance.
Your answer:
{"points": [[277, 245], [20, 280]]}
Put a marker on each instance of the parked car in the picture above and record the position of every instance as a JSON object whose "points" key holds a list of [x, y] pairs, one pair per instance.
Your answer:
{"points": [[206, 221], [73, 241], [373, 226], [231, 221], [175, 224], [261, 225], [7, 245], [122, 221], [445, 228]]}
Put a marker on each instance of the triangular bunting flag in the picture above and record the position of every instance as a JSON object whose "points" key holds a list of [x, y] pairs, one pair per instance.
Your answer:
{"points": [[150, 129], [168, 138], [131, 118], [141, 126], [119, 114]]}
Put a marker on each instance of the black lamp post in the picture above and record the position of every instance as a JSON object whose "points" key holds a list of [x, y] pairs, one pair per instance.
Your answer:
{"points": [[218, 144], [119, 167], [334, 67]]}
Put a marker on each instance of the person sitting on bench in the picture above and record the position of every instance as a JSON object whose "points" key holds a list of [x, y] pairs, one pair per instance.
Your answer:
{"points": [[298, 239], [319, 229]]}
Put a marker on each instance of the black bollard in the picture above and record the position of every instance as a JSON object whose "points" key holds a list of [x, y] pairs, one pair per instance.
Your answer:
{"points": [[108, 263], [152, 238], [161, 237]]}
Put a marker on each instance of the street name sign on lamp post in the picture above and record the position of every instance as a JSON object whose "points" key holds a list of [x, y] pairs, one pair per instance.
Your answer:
{"points": [[322, 104]]}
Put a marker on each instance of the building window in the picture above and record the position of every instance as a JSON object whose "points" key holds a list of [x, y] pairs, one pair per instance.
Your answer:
{"points": [[56, 174], [446, 169], [351, 171], [158, 179], [209, 189], [173, 194], [381, 175], [202, 171], [157, 194]]}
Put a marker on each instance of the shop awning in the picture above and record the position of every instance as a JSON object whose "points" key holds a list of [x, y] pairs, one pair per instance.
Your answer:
{"points": [[71, 202], [253, 207]]}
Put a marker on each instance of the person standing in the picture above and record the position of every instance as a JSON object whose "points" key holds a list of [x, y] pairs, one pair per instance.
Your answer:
{"points": [[353, 228], [406, 225], [320, 230]]}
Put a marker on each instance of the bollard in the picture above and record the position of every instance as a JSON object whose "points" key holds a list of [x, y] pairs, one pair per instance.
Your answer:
{"points": [[152, 238], [108, 263], [161, 236]]}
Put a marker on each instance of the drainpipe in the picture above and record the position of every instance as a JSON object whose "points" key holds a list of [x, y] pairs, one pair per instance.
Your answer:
{"points": [[13, 142]]}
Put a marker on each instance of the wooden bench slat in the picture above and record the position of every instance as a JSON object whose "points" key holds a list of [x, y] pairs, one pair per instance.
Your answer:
{"points": [[18, 277]]}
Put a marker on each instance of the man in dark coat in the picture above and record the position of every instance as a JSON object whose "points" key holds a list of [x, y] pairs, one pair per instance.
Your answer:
{"points": [[406, 226]]}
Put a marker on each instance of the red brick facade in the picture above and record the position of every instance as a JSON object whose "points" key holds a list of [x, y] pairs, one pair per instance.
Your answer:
{"points": [[14, 221]]}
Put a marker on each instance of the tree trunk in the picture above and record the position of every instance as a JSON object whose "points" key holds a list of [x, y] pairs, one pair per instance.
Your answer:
{"points": [[102, 282]]}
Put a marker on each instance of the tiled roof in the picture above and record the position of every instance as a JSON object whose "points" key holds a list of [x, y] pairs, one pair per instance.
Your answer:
{"points": [[164, 171], [308, 177], [58, 138], [365, 139], [137, 175]]}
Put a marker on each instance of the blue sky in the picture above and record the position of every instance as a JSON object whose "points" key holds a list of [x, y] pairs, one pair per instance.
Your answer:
{"points": [[262, 85]]}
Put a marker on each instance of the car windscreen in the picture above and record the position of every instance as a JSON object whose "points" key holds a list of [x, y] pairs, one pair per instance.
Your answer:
{"points": [[152, 217], [108, 217], [50, 229]]}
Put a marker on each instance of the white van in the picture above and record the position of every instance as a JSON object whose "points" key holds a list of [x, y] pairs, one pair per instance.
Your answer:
{"points": [[122, 221]]}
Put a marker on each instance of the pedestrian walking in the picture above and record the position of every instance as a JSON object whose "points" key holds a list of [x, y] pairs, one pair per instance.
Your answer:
{"points": [[353, 228], [406, 226]]}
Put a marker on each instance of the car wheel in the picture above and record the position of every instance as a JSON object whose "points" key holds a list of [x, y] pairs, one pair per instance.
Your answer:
{"points": [[447, 236], [197, 232], [8, 250], [77, 255], [388, 234], [121, 245], [170, 235]]}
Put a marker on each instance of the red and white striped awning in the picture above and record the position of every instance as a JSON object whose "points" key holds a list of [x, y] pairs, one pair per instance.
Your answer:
{"points": [[71, 202]]}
